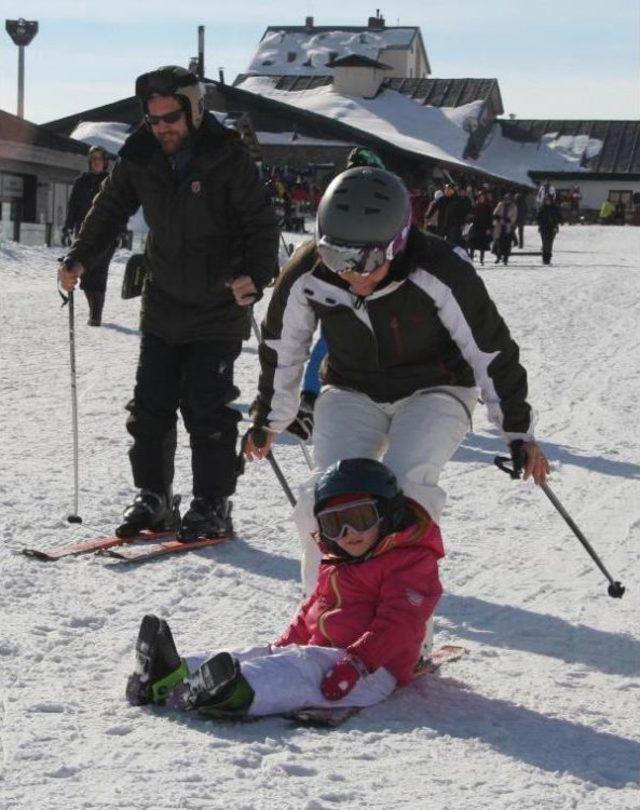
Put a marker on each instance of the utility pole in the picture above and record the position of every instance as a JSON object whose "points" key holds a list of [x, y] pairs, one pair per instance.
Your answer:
{"points": [[201, 52], [21, 32]]}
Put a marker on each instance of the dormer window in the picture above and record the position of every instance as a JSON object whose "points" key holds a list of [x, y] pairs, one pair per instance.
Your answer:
{"points": [[291, 56], [332, 55], [268, 62]]}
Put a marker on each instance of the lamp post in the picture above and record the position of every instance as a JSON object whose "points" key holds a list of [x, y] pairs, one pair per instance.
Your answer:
{"points": [[21, 32]]}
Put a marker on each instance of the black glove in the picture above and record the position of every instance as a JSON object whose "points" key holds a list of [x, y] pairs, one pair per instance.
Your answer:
{"points": [[518, 457], [302, 425]]}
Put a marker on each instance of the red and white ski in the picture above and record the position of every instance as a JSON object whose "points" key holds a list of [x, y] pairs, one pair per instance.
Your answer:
{"points": [[331, 718], [87, 546], [141, 547], [140, 552]]}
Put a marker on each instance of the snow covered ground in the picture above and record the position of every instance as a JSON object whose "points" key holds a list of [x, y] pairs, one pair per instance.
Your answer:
{"points": [[542, 713]]}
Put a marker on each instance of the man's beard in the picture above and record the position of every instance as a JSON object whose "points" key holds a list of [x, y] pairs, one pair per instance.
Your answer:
{"points": [[171, 143]]}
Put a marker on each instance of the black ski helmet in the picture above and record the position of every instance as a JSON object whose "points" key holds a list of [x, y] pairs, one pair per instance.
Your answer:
{"points": [[364, 206], [361, 475], [172, 80]]}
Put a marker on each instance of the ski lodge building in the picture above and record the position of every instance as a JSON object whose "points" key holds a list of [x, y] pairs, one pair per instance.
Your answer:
{"points": [[311, 93], [37, 170]]}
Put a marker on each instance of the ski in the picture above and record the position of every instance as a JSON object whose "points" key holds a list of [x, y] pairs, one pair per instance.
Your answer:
{"points": [[332, 718], [141, 552], [86, 546]]}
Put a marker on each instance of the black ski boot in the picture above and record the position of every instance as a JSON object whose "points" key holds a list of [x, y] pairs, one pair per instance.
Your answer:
{"points": [[206, 518], [149, 510], [158, 666], [218, 687]]}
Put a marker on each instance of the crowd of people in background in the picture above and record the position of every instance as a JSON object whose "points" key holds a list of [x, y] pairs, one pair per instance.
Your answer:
{"points": [[479, 218], [294, 195]]}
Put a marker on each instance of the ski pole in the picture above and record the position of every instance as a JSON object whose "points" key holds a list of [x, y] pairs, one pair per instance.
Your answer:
{"points": [[303, 446], [286, 246], [259, 437], [74, 517], [616, 589]]}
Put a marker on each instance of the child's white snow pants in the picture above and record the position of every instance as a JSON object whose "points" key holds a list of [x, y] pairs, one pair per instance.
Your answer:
{"points": [[290, 677], [414, 437]]}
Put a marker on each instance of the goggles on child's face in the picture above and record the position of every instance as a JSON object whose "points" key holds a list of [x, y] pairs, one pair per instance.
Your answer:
{"points": [[359, 516], [364, 259]]}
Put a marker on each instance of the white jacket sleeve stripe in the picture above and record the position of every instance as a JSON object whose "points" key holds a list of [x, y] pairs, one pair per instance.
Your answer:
{"points": [[292, 351], [456, 324]]}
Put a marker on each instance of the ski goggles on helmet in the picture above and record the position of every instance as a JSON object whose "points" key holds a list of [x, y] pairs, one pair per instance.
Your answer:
{"points": [[364, 259], [163, 82], [359, 516]]}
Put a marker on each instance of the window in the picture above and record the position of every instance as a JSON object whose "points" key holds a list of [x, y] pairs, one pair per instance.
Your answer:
{"points": [[620, 196], [291, 56]]}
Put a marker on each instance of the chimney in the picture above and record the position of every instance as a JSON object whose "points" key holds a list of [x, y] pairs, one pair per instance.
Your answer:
{"points": [[308, 23], [221, 75], [376, 23]]}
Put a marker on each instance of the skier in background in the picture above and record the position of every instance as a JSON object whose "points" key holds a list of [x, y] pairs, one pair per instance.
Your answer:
{"points": [[481, 226], [411, 331], [549, 219], [212, 247], [505, 217], [357, 636], [94, 281]]}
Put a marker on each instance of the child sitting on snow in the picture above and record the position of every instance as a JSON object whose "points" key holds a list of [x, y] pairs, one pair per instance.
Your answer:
{"points": [[357, 636]]}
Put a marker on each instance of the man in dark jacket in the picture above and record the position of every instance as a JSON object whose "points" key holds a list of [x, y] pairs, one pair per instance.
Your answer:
{"points": [[549, 219], [211, 248], [454, 215], [85, 188]]}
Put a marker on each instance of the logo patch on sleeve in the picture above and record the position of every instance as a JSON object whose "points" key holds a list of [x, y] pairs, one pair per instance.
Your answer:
{"points": [[414, 597]]}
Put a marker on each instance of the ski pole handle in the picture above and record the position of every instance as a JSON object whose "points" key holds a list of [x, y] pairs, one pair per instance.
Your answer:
{"points": [[503, 463], [259, 437]]}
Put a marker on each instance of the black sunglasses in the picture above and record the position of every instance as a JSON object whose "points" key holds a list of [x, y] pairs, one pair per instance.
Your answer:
{"points": [[168, 118]]}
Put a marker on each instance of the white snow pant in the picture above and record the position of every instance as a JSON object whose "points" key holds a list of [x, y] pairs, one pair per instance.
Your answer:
{"points": [[289, 679], [414, 437]]}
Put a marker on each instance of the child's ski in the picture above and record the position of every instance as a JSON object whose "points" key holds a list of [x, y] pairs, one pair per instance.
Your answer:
{"points": [[141, 552], [87, 546], [331, 718]]}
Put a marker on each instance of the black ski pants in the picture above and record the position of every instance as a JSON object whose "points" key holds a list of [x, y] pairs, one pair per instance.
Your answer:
{"points": [[197, 378], [548, 237]]}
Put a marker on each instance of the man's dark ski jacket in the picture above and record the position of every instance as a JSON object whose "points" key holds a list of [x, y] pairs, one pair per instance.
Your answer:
{"points": [[431, 324], [213, 224]]}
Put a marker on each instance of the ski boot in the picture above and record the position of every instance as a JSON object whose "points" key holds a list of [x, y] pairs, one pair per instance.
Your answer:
{"points": [[217, 688], [206, 518], [150, 511], [158, 666]]}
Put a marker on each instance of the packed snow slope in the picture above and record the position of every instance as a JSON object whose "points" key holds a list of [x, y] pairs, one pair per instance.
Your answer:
{"points": [[542, 713]]}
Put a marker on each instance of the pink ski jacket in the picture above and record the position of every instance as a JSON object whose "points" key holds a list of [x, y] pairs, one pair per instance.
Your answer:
{"points": [[377, 609]]}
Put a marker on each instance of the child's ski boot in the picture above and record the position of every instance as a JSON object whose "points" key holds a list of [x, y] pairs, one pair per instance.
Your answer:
{"points": [[217, 688], [158, 666]]}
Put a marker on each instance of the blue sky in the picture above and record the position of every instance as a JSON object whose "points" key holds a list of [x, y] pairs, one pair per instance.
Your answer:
{"points": [[553, 58]]}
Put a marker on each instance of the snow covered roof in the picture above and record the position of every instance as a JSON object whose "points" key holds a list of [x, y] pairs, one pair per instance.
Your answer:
{"points": [[603, 147], [437, 133], [110, 135], [306, 50], [449, 92]]}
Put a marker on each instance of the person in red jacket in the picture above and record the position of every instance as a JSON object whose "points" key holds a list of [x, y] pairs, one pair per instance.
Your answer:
{"points": [[351, 643]]}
